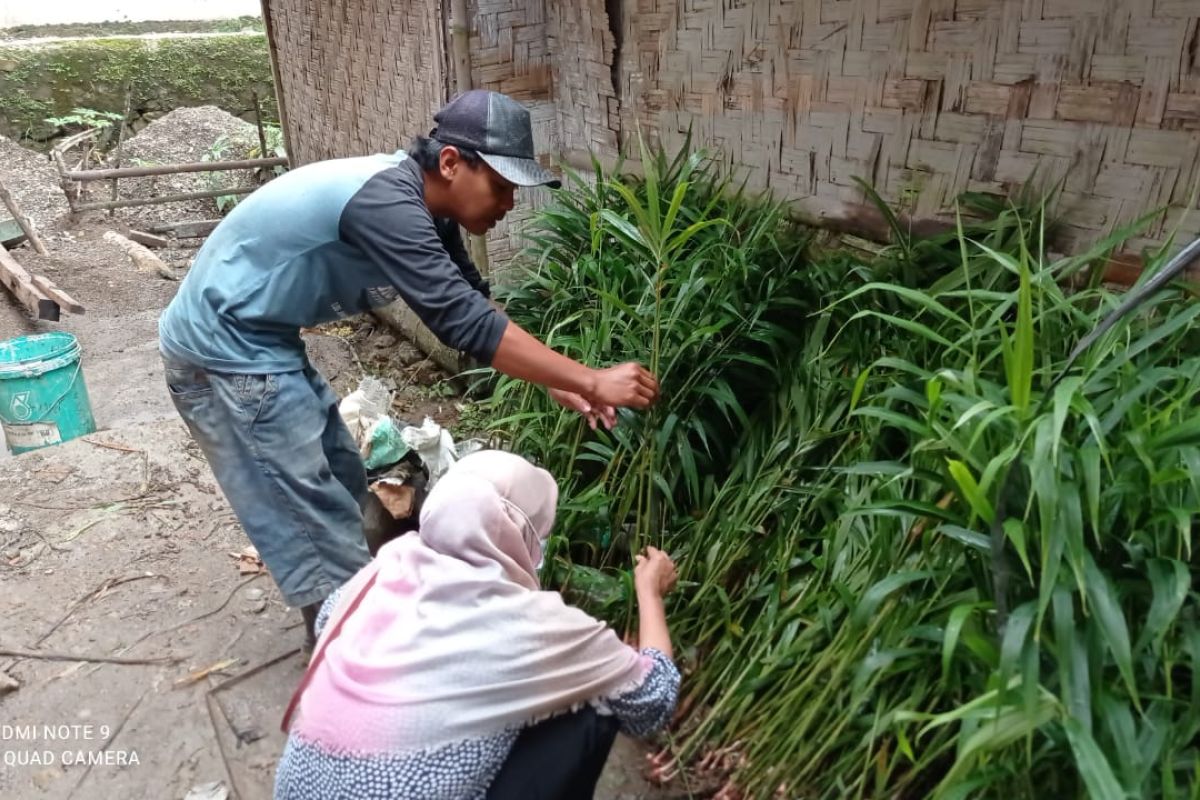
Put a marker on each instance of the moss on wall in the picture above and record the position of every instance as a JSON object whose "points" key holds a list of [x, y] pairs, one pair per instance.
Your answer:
{"points": [[50, 80]]}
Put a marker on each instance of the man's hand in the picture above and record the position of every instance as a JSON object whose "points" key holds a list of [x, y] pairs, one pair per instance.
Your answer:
{"points": [[627, 385], [606, 415]]}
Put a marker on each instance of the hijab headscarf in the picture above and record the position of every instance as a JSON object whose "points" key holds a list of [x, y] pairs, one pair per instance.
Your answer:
{"points": [[451, 636]]}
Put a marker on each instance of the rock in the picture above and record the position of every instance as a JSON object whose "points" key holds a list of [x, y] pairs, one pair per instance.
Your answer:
{"points": [[384, 341], [43, 778], [8, 684], [12, 555], [255, 594], [208, 791], [409, 354]]}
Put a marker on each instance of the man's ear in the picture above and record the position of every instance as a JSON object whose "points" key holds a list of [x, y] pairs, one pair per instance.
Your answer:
{"points": [[449, 161]]}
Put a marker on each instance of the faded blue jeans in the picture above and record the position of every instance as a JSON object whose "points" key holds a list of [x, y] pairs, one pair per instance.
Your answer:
{"points": [[288, 466]]}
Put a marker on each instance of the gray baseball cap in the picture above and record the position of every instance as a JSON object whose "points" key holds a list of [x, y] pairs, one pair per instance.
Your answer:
{"points": [[499, 129]]}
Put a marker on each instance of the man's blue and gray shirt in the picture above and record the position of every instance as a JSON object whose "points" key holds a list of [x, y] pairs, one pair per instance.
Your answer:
{"points": [[322, 242]]}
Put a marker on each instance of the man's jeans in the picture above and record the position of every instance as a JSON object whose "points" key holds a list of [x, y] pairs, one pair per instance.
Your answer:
{"points": [[289, 467]]}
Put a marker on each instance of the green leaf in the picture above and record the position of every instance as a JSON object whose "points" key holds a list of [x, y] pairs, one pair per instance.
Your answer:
{"points": [[870, 601], [1062, 404], [1106, 611], [1014, 531], [626, 230], [969, 489], [909, 325], [1091, 764], [1170, 582], [958, 617]]}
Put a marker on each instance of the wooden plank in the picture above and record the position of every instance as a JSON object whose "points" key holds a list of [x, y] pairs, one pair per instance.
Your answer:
{"points": [[142, 258], [148, 239], [51, 290], [187, 230], [20, 283]]}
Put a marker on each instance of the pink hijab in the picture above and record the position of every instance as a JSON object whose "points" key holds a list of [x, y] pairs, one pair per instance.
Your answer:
{"points": [[453, 638]]}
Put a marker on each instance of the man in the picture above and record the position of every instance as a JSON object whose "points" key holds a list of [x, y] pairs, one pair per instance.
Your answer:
{"points": [[322, 242]]}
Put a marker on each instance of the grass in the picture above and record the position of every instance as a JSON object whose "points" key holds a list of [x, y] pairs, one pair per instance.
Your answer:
{"points": [[922, 551]]}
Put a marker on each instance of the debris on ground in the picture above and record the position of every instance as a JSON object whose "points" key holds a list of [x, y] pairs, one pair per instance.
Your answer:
{"points": [[248, 561], [8, 684], [208, 791]]}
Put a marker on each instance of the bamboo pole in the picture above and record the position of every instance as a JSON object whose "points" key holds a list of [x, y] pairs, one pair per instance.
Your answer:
{"points": [[171, 169], [170, 198]]}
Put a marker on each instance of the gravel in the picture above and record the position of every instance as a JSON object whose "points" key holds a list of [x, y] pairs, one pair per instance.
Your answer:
{"points": [[33, 181], [181, 136]]}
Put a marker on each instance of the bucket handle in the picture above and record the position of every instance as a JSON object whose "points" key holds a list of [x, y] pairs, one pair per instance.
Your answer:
{"points": [[59, 399]]}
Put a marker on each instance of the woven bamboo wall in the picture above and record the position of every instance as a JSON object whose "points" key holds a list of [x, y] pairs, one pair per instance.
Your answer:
{"points": [[927, 98], [510, 53], [584, 89], [923, 98], [356, 76]]}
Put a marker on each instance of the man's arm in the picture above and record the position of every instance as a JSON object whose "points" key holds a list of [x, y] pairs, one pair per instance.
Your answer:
{"points": [[390, 223], [522, 356]]}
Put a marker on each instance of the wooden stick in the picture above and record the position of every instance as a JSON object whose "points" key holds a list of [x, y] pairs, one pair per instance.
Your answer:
{"points": [[116, 193], [108, 743], [40, 656], [51, 290], [20, 283], [171, 169], [92, 595], [187, 230], [141, 257], [262, 134], [70, 190], [22, 220], [71, 141], [171, 198]]}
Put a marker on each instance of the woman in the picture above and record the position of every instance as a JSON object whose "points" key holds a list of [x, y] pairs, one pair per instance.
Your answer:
{"points": [[436, 656]]}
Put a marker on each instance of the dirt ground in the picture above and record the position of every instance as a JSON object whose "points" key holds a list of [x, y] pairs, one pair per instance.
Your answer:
{"points": [[135, 660]]}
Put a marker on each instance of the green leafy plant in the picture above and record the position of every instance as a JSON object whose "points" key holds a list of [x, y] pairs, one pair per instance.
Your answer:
{"points": [[911, 563], [82, 119], [223, 148]]}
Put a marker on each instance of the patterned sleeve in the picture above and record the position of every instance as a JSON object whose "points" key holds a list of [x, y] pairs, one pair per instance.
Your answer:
{"points": [[327, 609], [649, 707]]}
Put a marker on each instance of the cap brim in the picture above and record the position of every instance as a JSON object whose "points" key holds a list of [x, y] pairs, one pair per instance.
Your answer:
{"points": [[521, 171]]}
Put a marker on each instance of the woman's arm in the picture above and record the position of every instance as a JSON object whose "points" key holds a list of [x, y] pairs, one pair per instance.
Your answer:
{"points": [[654, 577]]}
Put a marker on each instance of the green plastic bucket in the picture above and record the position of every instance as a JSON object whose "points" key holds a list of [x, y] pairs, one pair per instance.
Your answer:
{"points": [[43, 399]]}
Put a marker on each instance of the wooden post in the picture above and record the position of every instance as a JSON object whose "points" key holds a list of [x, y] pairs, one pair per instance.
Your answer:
{"points": [[116, 191], [22, 220]]}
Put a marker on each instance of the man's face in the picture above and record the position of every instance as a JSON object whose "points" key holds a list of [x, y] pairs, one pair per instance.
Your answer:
{"points": [[480, 196]]}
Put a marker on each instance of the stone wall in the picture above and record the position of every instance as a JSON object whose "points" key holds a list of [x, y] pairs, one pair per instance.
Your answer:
{"points": [[38, 81]]}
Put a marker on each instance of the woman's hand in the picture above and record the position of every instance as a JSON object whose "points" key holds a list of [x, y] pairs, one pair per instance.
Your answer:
{"points": [[655, 572]]}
